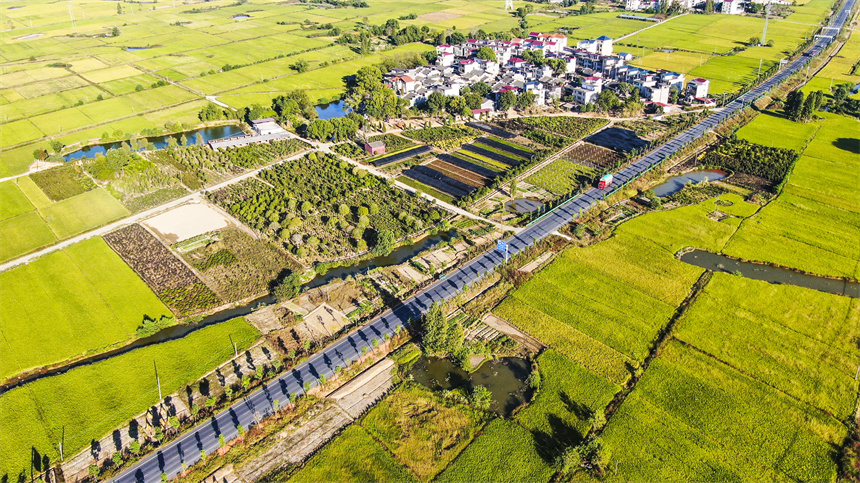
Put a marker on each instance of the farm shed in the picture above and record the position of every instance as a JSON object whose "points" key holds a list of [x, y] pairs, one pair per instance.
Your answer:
{"points": [[375, 147]]}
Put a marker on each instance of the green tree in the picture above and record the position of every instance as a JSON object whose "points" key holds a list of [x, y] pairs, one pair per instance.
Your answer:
{"points": [[507, 100], [57, 146], [320, 129], [385, 241], [674, 93], [114, 32], [709, 7], [481, 397], [210, 112], [753, 41], [607, 100], [436, 101], [486, 53], [300, 66], [526, 100], [513, 189], [794, 105], [435, 326], [289, 287]]}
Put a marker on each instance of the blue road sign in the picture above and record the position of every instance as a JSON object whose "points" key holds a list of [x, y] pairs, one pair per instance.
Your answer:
{"points": [[502, 246]]}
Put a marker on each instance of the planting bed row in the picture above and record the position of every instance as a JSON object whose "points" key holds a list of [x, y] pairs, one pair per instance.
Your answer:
{"points": [[471, 166], [165, 274], [385, 161], [492, 130], [439, 181], [505, 147], [490, 155], [593, 156], [463, 175]]}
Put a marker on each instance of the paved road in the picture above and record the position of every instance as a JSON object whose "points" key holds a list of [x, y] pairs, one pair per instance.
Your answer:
{"points": [[259, 404]]}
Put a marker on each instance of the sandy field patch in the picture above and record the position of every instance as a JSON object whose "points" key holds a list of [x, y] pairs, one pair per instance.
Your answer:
{"points": [[188, 221], [438, 16]]}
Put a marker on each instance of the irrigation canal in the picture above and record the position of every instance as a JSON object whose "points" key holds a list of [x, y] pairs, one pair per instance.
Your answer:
{"points": [[259, 404]]}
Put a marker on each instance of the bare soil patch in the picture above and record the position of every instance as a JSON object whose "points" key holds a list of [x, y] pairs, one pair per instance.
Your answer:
{"points": [[188, 221]]}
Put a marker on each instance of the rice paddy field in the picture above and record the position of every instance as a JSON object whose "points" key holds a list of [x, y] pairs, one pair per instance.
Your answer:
{"points": [[75, 83], [813, 224], [31, 220], [618, 293], [698, 44], [693, 418], [62, 306], [91, 400]]}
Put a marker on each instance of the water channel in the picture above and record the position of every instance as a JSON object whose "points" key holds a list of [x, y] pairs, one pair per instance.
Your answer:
{"points": [[767, 273], [160, 142], [396, 257], [505, 378], [677, 183]]}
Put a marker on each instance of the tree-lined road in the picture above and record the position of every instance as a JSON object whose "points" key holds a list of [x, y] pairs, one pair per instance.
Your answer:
{"points": [[259, 404]]}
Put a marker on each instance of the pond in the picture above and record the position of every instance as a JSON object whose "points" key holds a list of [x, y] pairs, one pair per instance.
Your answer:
{"points": [[505, 378], [160, 142], [29, 37], [241, 16], [132, 49], [523, 205], [755, 271], [332, 110], [676, 183]]}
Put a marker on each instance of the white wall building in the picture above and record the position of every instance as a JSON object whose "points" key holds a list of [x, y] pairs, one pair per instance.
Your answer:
{"points": [[698, 88]]}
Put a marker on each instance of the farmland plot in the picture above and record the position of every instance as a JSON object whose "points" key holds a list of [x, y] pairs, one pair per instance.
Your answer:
{"points": [[168, 277], [791, 338], [43, 303], [459, 174], [439, 181], [693, 418]]}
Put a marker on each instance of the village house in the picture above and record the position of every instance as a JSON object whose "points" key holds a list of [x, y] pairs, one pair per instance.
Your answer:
{"points": [[457, 66]]}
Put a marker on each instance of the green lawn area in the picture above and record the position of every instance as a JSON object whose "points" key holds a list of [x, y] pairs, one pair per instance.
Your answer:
{"points": [[422, 430], [62, 305], [504, 451], [692, 418], [352, 456], [812, 225], [82, 212], [92, 400], [792, 135], [791, 338]]}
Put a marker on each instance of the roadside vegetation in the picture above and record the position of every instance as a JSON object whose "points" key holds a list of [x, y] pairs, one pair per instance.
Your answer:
{"points": [[92, 400]]}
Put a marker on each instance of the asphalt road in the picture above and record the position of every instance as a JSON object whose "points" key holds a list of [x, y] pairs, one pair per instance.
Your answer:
{"points": [[259, 404]]}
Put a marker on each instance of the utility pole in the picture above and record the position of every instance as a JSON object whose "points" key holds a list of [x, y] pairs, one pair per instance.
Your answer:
{"points": [[157, 380], [759, 67], [766, 18], [62, 443], [235, 349], [72, 16]]}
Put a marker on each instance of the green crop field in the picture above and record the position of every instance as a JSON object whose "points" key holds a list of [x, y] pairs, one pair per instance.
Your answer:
{"points": [[569, 395], [92, 400], [40, 222], [352, 456], [791, 338], [504, 451], [62, 305], [793, 135], [561, 176], [82, 212], [812, 225], [692, 418], [13, 201]]}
